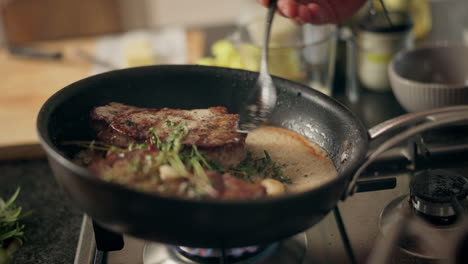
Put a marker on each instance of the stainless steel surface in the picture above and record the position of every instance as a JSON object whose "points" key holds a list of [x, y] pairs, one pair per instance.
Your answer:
{"points": [[86, 248], [419, 239], [413, 118], [433, 209], [262, 99], [384, 249]]}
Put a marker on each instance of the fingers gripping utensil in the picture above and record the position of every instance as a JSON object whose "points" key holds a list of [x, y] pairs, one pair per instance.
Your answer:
{"points": [[261, 100]]}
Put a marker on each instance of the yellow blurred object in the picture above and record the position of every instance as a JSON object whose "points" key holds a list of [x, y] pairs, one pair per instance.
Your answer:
{"points": [[395, 5], [286, 63], [283, 32], [138, 52], [207, 61], [283, 62], [224, 55], [250, 57], [420, 10]]}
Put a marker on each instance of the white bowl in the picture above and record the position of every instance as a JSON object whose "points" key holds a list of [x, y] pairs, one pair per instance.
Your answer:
{"points": [[430, 77]]}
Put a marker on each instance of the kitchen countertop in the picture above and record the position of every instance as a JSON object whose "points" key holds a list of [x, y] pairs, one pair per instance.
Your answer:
{"points": [[27, 83], [53, 228]]}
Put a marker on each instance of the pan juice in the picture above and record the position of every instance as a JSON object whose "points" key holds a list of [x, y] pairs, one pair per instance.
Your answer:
{"points": [[307, 164]]}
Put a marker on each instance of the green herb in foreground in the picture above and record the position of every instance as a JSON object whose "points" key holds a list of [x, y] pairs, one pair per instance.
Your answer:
{"points": [[11, 230]]}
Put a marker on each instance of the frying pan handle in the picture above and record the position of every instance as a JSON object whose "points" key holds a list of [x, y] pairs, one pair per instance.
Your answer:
{"points": [[419, 122], [413, 118]]}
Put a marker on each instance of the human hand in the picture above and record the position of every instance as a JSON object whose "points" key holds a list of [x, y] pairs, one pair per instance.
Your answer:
{"points": [[317, 11]]}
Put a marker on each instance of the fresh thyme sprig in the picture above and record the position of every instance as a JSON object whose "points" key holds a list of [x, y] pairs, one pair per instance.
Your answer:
{"points": [[95, 145], [11, 229], [252, 169], [174, 153]]}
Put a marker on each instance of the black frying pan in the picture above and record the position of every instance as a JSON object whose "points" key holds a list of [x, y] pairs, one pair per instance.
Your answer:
{"points": [[219, 224]]}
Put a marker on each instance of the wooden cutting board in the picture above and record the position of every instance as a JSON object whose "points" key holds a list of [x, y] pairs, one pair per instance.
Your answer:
{"points": [[25, 84]]}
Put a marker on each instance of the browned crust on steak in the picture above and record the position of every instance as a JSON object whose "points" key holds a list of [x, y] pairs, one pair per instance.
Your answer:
{"points": [[211, 127], [212, 130]]}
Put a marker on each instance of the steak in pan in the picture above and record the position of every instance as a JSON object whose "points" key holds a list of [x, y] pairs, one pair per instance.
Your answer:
{"points": [[212, 130]]}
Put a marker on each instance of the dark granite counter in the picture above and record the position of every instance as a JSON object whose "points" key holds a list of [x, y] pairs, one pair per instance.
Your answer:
{"points": [[53, 228]]}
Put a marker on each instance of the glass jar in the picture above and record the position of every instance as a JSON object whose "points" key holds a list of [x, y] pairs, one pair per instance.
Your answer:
{"points": [[377, 42]]}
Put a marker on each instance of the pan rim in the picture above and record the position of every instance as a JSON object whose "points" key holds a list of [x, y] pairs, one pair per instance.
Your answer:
{"points": [[55, 153]]}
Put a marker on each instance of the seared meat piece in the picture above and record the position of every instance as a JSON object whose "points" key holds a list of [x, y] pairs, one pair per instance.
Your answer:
{"points": [[231, 188], [133, 168], [212, 130]]}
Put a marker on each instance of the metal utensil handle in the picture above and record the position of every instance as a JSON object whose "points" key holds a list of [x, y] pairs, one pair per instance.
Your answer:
{"points": [[266, 36], [432, 119], [372, 11], [267, 92], [385, 11], [352, 89]]}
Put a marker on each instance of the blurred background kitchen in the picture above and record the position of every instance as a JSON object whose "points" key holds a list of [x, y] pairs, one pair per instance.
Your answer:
{"points": [[47, 44]]}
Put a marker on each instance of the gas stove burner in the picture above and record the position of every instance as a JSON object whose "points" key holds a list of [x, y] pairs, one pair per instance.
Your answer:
{"points": [[434, 193], [232, 255], [429, 242], [291, 251]]}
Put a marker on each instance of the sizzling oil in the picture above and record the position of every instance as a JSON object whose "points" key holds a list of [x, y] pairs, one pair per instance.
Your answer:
{"points": [[307, 164]]}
